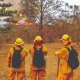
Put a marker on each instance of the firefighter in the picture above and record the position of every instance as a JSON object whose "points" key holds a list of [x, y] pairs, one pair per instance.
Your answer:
{"points": [[65, 71], [16, 60], [38, 53]]}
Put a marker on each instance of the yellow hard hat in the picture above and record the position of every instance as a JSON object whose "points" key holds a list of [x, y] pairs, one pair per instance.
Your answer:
{"points": [[38, 38], [65, 37], [19, 41]]}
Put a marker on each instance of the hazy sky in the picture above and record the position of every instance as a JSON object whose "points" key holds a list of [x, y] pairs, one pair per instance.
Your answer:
{"points": [[73, 2]]}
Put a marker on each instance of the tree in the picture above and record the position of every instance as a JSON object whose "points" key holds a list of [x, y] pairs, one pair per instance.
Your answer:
{"points": [[50, 13], [42, 11], [5, 5], [4, 9]]}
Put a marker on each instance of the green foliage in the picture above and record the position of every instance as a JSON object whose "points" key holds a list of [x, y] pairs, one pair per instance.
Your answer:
{"points": [[7, 12], [4, 12], [42, 10], [14, 20], [5, 5]]}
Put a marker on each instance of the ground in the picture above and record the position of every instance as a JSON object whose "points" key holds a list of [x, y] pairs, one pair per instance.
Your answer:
{"points": [[51, 61]]}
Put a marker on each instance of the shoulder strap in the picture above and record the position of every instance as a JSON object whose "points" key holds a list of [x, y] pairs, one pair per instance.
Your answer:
{"points": [[36, 49], [69, 48], [14, 48], [19, 50], [41, 48], [72, 48]]}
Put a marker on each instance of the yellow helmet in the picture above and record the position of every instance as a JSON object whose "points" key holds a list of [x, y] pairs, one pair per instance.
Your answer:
{"points": [[19, 41], [38, 38], [65, 37]]}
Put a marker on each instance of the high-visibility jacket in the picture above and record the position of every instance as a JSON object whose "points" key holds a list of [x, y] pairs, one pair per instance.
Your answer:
{"points": [[31, 51], [64, 66], [24, 53]]}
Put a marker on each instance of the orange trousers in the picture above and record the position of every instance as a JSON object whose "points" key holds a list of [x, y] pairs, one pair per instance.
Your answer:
{"points": [[38, 74], [63, 76], [16, 74]]}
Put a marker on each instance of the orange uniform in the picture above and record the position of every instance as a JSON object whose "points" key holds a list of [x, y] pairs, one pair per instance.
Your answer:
{"points": [[35, 71], [20, 72], [65, 71]]}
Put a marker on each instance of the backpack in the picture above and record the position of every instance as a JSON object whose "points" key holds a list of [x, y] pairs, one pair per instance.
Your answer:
{"points": [[73, 58], [16, 59], [38, 59]]}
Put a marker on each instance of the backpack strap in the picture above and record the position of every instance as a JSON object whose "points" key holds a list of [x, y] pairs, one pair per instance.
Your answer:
{"points": [[14, 48], [69, 49], [39, 49], [19, 50]]}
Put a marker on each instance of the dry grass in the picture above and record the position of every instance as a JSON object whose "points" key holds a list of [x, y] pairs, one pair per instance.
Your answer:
{"points": [[51, 61]]}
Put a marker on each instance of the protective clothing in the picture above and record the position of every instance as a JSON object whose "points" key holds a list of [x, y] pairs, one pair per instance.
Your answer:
{"points": [[19, 72], [20, 75], [66, 40], [40, 74], [19, 41], [35, 71], [38, 38], [65, 37], [38, 41], [65, 72]]}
